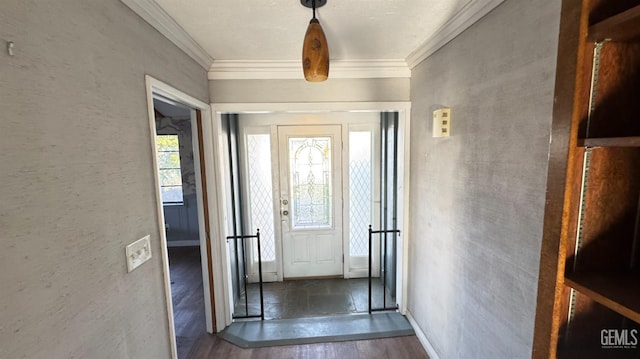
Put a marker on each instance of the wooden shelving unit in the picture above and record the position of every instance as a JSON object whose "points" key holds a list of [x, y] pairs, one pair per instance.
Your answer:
{"points": [[616, 291], [633, 141], [621, 27], [601, 246]]}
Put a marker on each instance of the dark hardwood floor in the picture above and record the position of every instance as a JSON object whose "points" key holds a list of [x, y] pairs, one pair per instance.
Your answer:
{"points": [[210, 346], [188, 297]]}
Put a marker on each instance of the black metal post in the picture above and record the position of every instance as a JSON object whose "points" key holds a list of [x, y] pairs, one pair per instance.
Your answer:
{"points": [[246, 290], [260, 276], [246, 277], [384, 299], [384, 277], [370, 253]]}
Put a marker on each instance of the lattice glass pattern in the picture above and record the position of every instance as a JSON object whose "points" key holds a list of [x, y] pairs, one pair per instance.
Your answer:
{"points": [[261, 193], [360, 192], [310, 170]]}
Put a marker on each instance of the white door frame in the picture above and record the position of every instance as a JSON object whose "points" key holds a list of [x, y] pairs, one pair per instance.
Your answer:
{"points": [[404, 111], [156, 87]]}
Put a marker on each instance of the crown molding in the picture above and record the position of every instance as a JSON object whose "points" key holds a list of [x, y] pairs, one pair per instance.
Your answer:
{"points": [[292, 69], [473, 11], [152, 13]]}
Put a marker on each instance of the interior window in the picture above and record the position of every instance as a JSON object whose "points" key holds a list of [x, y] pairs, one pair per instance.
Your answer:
{"points": [[168, 150]]}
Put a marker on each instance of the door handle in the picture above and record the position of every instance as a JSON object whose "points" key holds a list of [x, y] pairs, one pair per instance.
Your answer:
{"points": [[285, 213]]}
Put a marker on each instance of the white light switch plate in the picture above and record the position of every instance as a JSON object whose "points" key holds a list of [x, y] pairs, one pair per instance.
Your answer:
{"points": [[442, 122], [138, 252]]}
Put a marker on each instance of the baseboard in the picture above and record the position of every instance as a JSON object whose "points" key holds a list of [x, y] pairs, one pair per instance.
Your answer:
{"points": [[422, 338], [192, 243]]}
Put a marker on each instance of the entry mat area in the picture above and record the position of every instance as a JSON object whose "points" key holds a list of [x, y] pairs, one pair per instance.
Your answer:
{"points": [[257, 334]]}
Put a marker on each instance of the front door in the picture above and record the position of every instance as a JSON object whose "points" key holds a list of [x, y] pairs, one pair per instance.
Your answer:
{"points": [[311, 200]]}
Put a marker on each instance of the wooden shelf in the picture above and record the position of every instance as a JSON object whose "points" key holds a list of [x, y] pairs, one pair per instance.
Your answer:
{"points": [[600, 218], [622, 27], [618, 292], [633, 141]]}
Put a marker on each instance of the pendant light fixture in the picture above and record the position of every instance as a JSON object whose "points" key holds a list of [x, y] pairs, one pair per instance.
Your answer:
{"points": [[315, 51]]}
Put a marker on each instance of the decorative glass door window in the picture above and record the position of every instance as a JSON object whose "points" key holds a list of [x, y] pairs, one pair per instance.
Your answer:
{"points": [[310, 171]]}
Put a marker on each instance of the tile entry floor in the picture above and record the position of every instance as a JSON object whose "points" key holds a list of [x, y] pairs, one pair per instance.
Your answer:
{"points": [[313, 298], [282, 300]]}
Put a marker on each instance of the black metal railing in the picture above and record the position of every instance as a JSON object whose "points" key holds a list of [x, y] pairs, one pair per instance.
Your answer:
{"points": [[246, 277], [384, 264]]}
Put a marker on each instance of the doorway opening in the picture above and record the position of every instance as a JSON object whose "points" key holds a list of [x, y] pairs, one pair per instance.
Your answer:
{"points": [[312, 183], [177, 176], [180, 139]]}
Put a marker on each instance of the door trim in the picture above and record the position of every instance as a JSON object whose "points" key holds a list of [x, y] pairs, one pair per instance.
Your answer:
{"points": [[156, 87], [404, 117]]}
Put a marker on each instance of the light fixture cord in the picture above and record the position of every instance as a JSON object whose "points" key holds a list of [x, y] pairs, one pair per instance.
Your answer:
{"points": [[313, 4]]}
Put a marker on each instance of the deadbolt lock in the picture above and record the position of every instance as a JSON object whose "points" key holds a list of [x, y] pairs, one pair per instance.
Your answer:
{"points": [[285, 202]]}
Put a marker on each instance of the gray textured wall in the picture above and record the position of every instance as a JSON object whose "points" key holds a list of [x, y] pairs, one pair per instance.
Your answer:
{"points": [[332, 90], [478, 197], [77, 180]]}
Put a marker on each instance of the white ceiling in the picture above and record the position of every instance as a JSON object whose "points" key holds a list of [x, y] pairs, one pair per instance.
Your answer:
{"points": [[262, 39], [274, 29]]}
